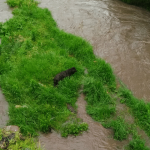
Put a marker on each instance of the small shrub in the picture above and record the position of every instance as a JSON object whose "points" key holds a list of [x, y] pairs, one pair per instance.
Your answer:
{"points": [[74, 129]]}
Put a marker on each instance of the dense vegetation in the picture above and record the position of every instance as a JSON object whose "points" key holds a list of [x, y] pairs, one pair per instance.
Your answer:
{"points": [[32, 52], [140, 3]]}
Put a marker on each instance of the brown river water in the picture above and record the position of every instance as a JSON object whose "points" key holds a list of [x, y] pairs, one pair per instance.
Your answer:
{"points": [[120, 34]]}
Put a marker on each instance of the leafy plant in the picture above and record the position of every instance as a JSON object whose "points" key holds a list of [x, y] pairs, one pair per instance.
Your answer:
{"points": [[74, 129]]}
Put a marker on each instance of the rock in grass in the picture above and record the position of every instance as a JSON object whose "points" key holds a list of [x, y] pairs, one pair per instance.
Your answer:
{"points": [[19, 106], [64, 74], [11, 128]]}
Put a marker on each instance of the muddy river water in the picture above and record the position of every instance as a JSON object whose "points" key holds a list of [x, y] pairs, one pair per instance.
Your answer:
{"points": [[120, 34]]}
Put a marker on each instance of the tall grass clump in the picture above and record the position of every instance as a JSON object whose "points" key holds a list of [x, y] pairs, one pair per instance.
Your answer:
{"points": [[99, 104], [140, 3], [120, 128]]}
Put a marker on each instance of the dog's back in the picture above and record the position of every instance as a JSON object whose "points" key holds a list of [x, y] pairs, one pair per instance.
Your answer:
{"points": [[64, 74]]}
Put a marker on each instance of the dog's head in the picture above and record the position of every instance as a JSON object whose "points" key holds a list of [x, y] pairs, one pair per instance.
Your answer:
{"points": [[73, 70]]}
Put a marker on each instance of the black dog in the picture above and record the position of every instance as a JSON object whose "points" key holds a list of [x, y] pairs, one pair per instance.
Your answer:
{"points": [[64, 74]]}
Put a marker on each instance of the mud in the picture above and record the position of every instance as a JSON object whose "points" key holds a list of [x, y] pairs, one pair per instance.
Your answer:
{"points": [[119, 33], [97, 137]]}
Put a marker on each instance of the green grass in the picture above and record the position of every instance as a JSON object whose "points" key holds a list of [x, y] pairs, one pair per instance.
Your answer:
{"points": [[32, 52], [30, 59], [73, 128], [140, 3]]}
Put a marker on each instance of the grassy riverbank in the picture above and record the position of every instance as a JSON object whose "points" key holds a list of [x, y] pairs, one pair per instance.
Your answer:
{"points": [[141, 3], [33, 51]]}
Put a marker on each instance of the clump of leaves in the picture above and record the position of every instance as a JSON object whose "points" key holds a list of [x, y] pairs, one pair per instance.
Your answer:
{"points": [[18, 142], [74, 128], [28, 143]]}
